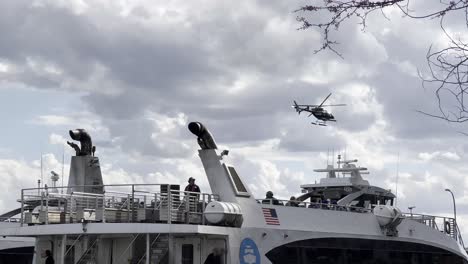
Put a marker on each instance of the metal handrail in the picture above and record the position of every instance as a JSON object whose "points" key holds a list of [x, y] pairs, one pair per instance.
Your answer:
{"points": [[460, 238], [429, 220], [312, 205], [151, 246], [125, 203], [87, 250], [127, 199], [74, 242], [125, 251], [10, 219]]}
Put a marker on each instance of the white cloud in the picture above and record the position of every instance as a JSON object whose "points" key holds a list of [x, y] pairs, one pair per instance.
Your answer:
{"points": [[76, 6], [87, 120], [425, 156], [4, 67], [406, 67], [55, 120], [56, 139], [451, 156]]}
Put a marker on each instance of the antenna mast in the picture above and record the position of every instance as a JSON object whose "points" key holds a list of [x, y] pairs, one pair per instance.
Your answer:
{"points": [[63, 164], [333, 158], [42, 176], [397, 176]]}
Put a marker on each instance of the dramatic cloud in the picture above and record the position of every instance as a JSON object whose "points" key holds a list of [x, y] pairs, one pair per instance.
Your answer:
{"points": [[135, 73]]}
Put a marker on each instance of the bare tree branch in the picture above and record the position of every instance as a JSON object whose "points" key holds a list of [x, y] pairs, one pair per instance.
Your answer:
{"points": [[448, 67]]}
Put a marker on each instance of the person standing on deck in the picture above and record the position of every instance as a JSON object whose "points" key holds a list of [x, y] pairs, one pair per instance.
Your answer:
{"points": [[192, 197], [49, 258], [192, 187]]}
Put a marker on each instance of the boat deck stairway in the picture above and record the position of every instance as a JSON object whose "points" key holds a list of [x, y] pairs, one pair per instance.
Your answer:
{"points": [[159, 249]]}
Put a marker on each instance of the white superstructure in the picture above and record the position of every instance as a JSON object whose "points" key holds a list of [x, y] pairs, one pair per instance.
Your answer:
{"points": [[341, 219]]}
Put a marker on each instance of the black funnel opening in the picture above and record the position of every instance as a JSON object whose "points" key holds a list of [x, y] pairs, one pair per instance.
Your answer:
{"points": [[204, 137], [86, 143], [74, 134], [196, 128]]}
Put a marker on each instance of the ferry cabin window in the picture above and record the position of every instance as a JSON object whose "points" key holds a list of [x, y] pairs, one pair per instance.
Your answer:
{"points": [[366, 199], [187, 254], [360, 251]]}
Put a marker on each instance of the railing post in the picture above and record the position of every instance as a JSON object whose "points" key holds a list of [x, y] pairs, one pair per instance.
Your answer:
{"points": [[103, 207], [148, 248], [133, 202], [187, 207], [128, 208], [169, 204], [154, 208], [22, 207], [455, 231], [203, 209], [47, 209], [62, 249]]}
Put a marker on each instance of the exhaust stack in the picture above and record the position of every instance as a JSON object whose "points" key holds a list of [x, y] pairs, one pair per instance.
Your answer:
{"points": [[205, 139], [86, 144], [85, 170]]}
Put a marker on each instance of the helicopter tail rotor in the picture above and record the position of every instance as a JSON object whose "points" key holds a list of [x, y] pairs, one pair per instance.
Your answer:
{"points": [[297, 108]]}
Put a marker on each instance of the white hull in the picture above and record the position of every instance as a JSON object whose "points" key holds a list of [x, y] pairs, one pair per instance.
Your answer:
{"points": [[315, 224]]}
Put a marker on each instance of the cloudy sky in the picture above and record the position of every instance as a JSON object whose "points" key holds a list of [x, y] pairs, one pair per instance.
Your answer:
{"points": [[134, 73]]}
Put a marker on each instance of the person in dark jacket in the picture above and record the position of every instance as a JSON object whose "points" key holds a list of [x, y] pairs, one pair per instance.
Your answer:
{"points": [[192, 187], [293, 202], [49, 258], [193, 198], [270, 199], [216, 257]]}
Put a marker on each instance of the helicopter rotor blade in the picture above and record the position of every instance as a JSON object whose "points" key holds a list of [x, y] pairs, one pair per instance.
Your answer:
{"points": [[305, 105], [325, 100], [335, 105]]}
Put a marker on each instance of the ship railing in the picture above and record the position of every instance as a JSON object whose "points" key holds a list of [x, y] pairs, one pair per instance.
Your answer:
{"points": [[314, 205], [446, 225], [10, 219], [120, 203]]}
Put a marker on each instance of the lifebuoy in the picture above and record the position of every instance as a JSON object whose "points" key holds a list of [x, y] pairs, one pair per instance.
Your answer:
{"points": [[447, 227]]}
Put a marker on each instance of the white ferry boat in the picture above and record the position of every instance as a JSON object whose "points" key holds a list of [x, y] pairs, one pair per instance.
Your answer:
{"points": [[341, 219]]}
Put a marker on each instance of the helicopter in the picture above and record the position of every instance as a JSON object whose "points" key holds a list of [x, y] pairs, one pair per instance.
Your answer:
{"points": [[318, 111]]}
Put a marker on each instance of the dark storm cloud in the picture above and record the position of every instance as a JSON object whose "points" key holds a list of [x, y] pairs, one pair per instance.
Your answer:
{"points": [[170, 68], [126, 105], [402, 98], [154, 58]]}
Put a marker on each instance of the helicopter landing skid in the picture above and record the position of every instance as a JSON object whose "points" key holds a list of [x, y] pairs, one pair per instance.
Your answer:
{"points": [[319, 123]]}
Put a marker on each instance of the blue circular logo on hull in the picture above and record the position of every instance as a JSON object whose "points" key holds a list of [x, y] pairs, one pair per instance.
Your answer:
{"points": [[248, 252]]}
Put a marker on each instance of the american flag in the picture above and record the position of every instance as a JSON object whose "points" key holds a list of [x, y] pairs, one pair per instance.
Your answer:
{"points": [[271, 218]]}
